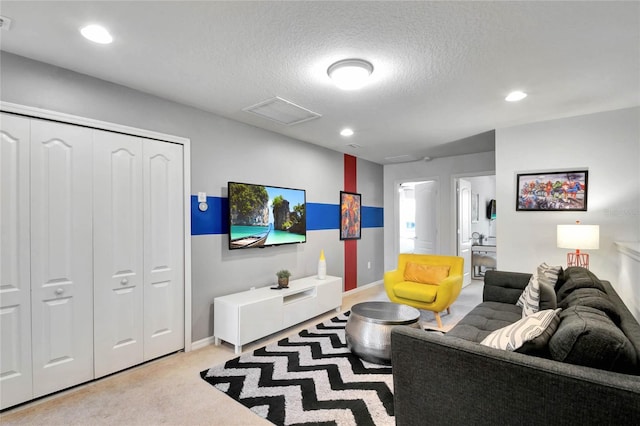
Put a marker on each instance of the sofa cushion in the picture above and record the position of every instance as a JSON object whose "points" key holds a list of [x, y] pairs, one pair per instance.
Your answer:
{"points": [[577, 277], [484, 319], [523, 331], [588, 337], [529, 300], [425, 274], [421, 292], [594, 298]]}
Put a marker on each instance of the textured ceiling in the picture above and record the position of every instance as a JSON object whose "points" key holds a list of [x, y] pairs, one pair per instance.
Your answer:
{"points": [[442, 69]]}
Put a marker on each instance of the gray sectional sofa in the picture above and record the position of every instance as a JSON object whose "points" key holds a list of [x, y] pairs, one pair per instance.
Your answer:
{"points": [[587, 371]]}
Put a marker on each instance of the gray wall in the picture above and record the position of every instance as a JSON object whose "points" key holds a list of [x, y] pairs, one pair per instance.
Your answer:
{"points": [[608, 145], [218, 146], [443, 170]]}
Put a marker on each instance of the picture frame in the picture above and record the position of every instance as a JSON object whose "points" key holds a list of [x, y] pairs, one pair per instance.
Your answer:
{"points": [[475, 207], [350, 215], [552, 191]]}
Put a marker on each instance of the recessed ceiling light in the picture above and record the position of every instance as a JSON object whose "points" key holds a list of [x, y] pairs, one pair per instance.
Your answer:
{"points": [[515, 96], [96, 34], [350, 74], [346, 132]]}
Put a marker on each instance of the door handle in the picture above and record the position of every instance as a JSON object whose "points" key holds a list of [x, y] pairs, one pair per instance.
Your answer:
{"points": [[59, 291], [124, 281]]}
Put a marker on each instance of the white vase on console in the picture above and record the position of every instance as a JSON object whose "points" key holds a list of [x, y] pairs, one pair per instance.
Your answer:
{"points": [[322, 266]]}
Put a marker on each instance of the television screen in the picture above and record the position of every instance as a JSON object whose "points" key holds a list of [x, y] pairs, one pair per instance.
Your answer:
{"points": [[261, 215], [491, 210]]}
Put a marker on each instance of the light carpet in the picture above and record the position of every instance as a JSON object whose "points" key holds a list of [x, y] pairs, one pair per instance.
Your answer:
{"points": [[312, 378]]}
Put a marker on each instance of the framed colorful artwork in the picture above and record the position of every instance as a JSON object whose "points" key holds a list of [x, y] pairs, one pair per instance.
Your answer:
{"points": [[350, 219], [552, 191]]}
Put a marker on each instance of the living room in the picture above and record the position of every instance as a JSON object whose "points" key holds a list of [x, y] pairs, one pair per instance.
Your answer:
{"points": [[600, 134]]}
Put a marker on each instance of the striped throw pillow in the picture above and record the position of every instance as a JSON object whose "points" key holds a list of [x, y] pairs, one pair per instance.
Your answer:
{"points": [[529, 300], [549, 274], [525, 330]]}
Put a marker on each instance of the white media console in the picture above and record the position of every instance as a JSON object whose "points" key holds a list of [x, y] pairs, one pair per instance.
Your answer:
{"points": [[250, 315]]}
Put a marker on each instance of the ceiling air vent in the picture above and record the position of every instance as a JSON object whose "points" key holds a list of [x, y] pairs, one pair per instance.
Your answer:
{"points": [[399, 159], [282, 111]]}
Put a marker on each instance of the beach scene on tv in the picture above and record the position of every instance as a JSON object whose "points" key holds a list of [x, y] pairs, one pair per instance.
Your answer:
{"points": [[263, 215]]}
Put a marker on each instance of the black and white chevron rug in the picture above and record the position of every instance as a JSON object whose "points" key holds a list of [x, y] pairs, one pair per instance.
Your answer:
{"points": [[311, 378]]}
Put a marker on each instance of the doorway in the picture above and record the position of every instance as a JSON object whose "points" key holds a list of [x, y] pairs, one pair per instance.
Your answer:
{"points": [[475, 229], [417, 226]]}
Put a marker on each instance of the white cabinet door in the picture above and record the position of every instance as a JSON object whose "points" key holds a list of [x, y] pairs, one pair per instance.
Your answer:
{"points": [[117, 251], [15, 286], [163, 249], [61, 256]]}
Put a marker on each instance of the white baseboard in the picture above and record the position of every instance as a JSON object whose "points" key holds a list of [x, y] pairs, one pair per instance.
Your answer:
{"points": [[199, 344], [364, 287]]}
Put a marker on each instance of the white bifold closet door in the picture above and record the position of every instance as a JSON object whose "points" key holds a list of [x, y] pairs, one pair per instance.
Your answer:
{"points": [[117, 252], [91, 254], [138, 250], [163, 248], [15, 252], [61, 256]]}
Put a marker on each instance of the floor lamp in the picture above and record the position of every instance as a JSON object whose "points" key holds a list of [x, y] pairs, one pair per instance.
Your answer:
{"points": [[578, 237]]}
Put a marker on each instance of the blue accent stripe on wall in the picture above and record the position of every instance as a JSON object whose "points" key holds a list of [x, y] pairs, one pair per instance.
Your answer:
{"points": [[322, 216], [214, 221], [319, 216], [372, 217]]}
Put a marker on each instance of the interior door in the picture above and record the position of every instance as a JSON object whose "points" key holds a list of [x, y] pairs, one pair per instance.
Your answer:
{"points": [[118, 252], [163, 249], [464, 227], [15, 252], [61, 256], [426, 194]]}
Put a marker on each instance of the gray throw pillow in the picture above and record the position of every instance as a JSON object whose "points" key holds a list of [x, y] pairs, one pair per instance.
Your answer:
{"points": [[547, 296], [586, 336], [549, 274]]}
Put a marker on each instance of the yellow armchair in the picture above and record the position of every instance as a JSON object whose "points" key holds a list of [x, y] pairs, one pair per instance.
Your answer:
{"points": [[431, 297]]}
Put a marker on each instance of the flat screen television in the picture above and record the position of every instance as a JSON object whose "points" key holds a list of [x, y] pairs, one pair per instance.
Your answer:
{"points": [[491, 210], [261, 215]]}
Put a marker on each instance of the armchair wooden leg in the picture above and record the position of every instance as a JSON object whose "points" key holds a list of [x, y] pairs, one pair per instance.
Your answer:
{"points": [[449, 310], [437, 314]]}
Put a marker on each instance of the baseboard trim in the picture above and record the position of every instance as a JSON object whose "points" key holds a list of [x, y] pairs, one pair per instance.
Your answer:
{"points": [[199, 344], [362, 288]]}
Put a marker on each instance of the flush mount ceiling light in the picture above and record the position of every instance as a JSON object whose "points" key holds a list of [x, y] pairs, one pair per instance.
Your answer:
{"points": [[515, 96], [350, 74], [96, 34], [346, 132]]}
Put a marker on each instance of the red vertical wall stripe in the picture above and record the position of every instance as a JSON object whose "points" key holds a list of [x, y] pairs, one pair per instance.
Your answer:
{"points": [[350, 246]]}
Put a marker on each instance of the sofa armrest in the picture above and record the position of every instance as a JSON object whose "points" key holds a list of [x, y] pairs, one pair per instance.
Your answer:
{"points": [[443, 380], [503, 286]]}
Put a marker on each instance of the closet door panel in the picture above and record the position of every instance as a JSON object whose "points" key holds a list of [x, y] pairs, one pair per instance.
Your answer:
{"points": [[15, 286], [164, 248], [118, 257], [61, 260]]}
